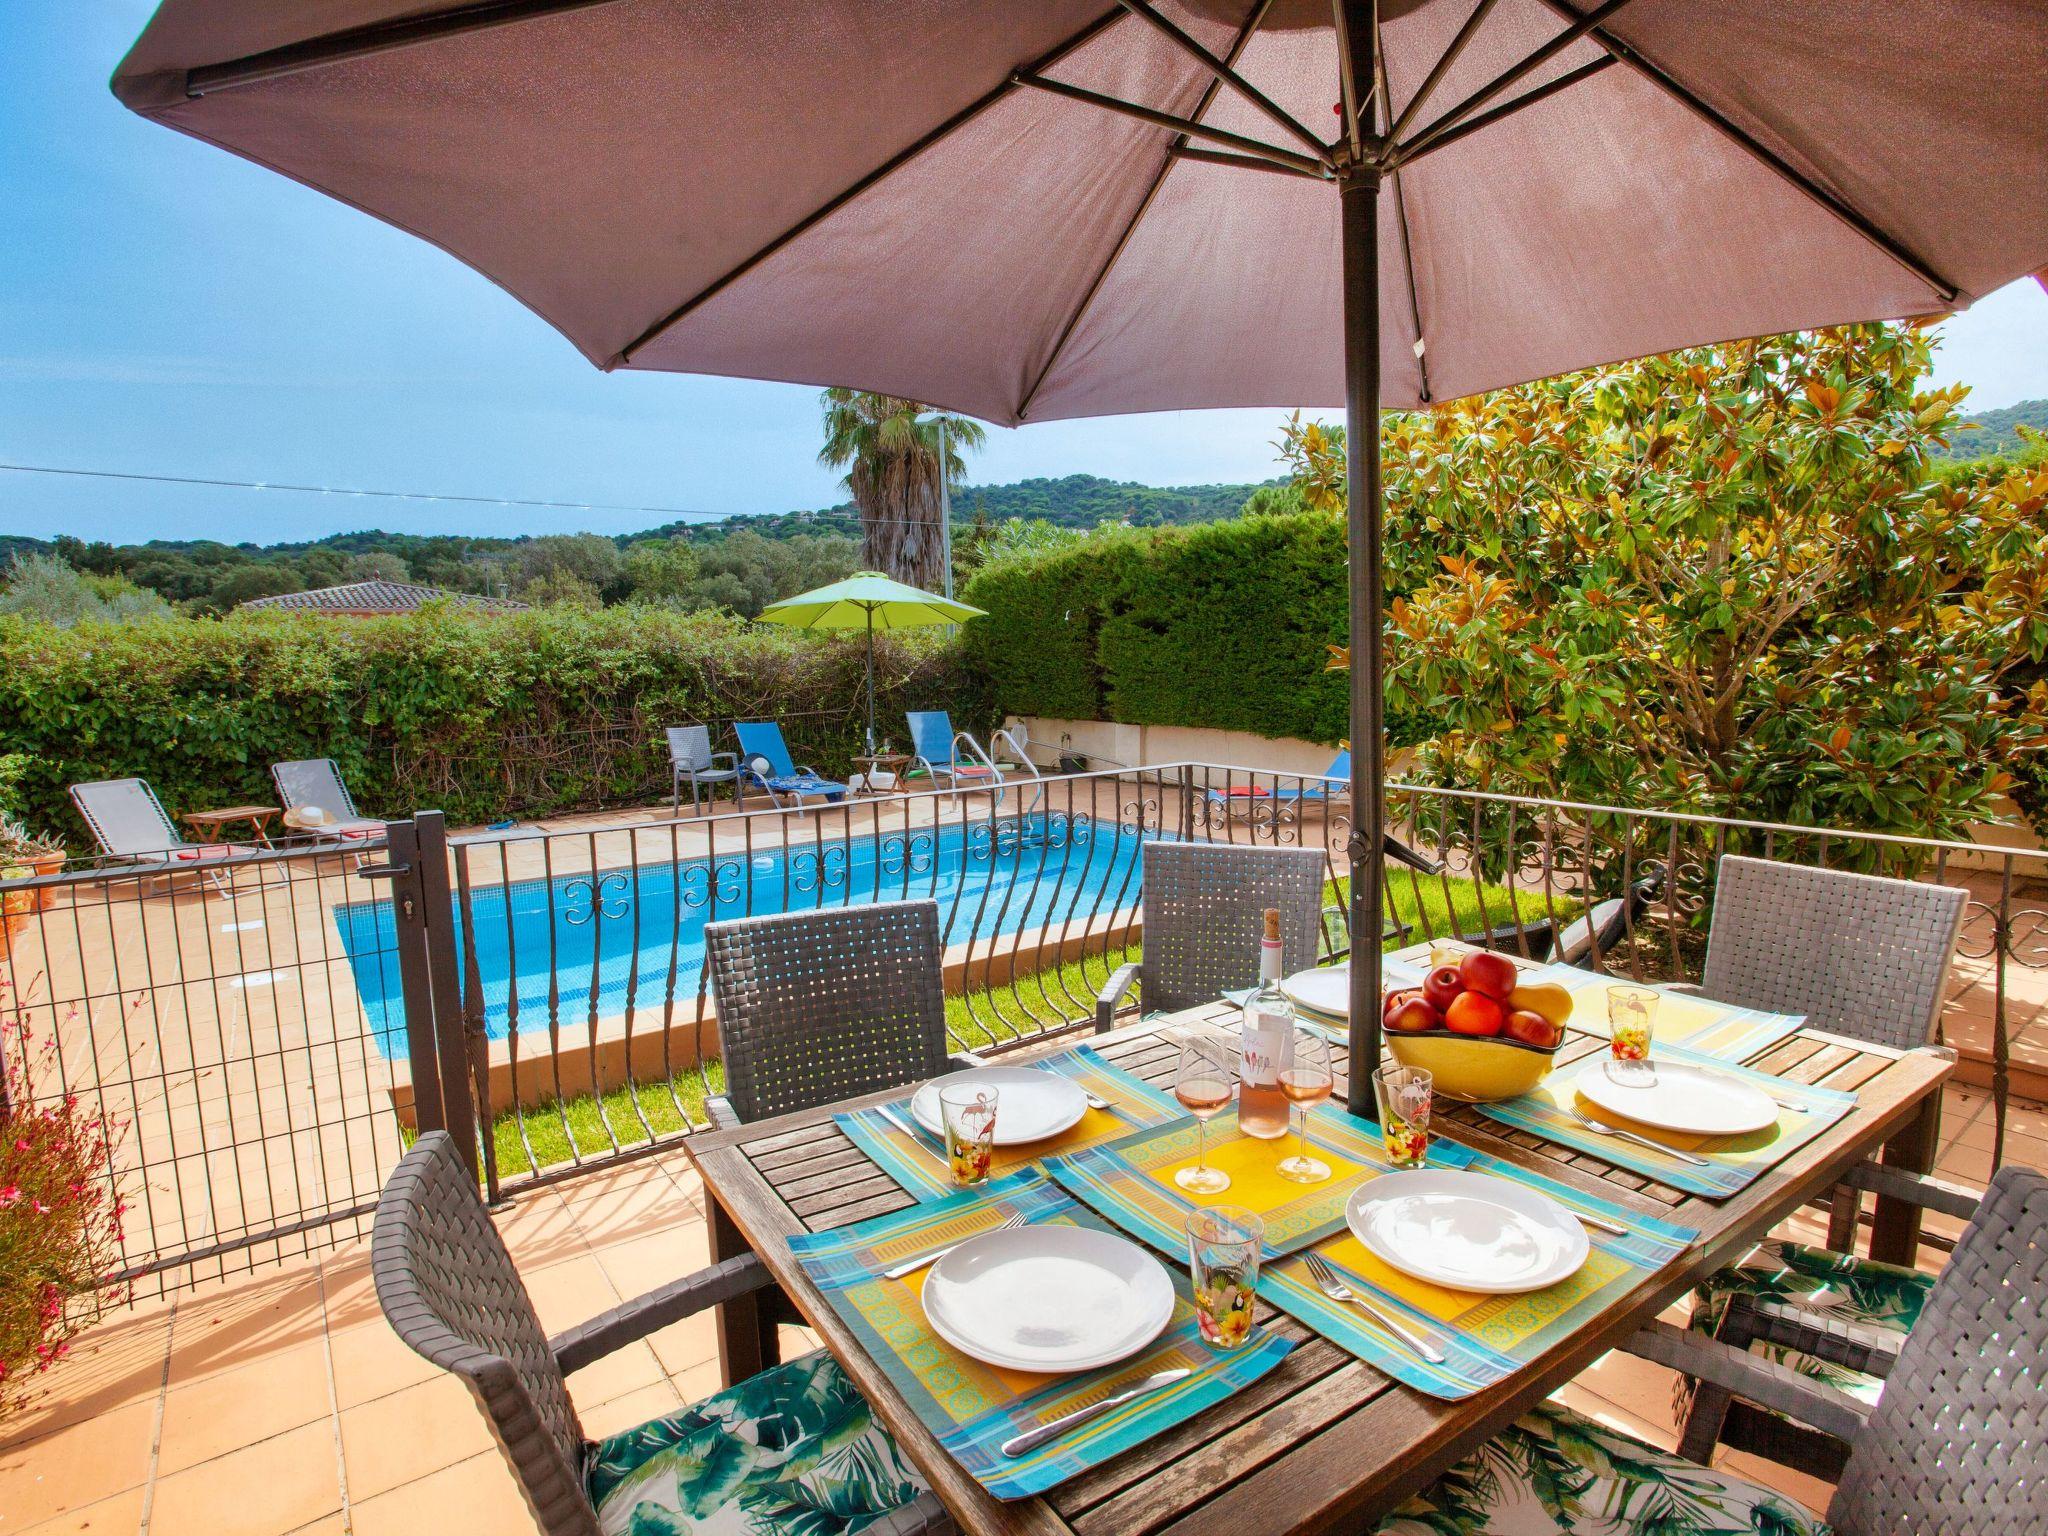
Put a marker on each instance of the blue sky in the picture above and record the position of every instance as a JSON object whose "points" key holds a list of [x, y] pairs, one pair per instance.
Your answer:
{"points": [[166, 308]]}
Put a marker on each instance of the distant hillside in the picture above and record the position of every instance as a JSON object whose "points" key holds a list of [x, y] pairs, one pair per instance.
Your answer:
{"points": [[1998, 431]]}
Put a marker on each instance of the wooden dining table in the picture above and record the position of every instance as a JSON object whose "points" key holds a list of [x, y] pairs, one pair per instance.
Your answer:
{"points": [[1324, 1441]]}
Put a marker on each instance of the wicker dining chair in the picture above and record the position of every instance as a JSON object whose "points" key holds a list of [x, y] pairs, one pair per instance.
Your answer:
{"points": [[1860, 956], [819, 1006], [450, 1291], [1201, 910], [1955, 1443]]}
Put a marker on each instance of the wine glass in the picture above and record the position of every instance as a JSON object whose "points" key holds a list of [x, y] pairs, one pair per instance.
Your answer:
{"points": [[1306, 1082], [1204, 1081]]}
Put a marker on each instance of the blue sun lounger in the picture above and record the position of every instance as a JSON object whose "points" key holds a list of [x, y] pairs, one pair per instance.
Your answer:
{"points": [[765, 760]]}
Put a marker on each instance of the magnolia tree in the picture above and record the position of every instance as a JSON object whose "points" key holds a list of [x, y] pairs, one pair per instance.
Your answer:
{"points": [[1723, 580]]}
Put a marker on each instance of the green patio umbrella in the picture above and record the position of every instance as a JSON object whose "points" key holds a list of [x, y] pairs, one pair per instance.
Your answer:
{"points": [[871, 601]]}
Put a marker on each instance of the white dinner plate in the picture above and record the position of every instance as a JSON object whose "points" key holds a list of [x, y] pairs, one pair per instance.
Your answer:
{"points": [[1051, 1298], [1695, 1100], [1469, 1231], [1030, 1104], [1325, 990]]}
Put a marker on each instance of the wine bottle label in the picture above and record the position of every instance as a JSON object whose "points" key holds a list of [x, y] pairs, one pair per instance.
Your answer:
{"points": [[1268, 1041]]}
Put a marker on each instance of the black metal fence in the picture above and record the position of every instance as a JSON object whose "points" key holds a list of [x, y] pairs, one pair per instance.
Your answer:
{"points": [[265, 1042]]}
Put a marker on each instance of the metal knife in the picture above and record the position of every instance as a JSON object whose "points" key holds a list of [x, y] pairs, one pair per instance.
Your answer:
{"points": [[916, 1133], [1032, 1439]]}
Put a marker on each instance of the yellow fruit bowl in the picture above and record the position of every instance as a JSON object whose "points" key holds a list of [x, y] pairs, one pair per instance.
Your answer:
{"points": [[1475, 1068]]}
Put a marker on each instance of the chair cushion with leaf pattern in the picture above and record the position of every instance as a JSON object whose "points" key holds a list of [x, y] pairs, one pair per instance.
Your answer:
{"points": [[1552, 1472], [792, 1450], [1885, 1296]]}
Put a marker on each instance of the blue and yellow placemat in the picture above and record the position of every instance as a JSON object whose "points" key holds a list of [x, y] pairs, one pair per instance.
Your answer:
{"points": [[1732, 1162], [1483, 1338], [917, 1160], [1131, 1181], [972, 1408]]}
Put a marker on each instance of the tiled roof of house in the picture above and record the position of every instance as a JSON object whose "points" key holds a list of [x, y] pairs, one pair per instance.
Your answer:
{"points": [[357, 597]]}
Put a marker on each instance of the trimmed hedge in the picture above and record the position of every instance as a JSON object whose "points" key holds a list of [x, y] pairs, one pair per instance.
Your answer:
{"points": [[481, 716], [1224, 625]]}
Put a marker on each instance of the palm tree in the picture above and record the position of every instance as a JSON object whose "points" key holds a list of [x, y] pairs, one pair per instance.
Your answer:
{"points": [[889, 449]]}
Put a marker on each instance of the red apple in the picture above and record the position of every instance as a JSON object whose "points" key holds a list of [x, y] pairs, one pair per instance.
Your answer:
{"points": [[1474, 1013], [1414, 1016], [1532, 1028], [1484, 971], [1441, 985], [1394, 1000]]}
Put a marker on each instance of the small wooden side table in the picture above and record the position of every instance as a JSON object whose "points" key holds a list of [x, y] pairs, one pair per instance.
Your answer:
{"points": [[891, 763], [209, 824]]}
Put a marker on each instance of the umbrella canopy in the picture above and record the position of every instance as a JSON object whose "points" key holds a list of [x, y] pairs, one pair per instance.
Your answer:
{"points": [[871, 601], [1083, 207]]}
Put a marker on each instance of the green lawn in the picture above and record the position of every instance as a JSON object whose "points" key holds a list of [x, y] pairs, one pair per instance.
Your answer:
{"points": [[1031, 1003]]}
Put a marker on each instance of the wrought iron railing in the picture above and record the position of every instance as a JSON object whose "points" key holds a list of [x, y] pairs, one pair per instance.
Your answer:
{"points": [[266, 1049]]}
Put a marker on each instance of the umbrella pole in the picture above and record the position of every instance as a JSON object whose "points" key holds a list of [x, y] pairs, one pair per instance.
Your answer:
{"points": [[871, 683], [1358, 191]]}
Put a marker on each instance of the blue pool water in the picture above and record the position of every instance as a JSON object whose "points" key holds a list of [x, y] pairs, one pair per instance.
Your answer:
{"points": [[635, 937]]}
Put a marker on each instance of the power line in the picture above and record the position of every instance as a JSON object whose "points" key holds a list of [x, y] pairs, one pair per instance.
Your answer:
{"points": [[678, 513], [333, 490]]}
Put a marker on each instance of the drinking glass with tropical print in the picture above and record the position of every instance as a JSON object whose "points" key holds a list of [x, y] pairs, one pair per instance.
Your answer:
{"points": [[1204, 1081], [969, 1113], [1631, 1023], [1223, 1256], [1306, 1082], [1403, 1095]]}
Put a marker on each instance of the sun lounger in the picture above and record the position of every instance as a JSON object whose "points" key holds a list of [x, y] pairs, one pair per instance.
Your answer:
{"points": [[950, 757], [765, 761], [130, 823]]}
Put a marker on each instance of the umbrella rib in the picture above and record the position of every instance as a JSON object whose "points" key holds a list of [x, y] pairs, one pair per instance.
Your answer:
{"points": [[1535, 60], [1840, 207], [1227, 75], [1405, 154], [847, 194], [1172, 124], [1239, 162], [1401, 224], [1237, 47], [1438, 70]]}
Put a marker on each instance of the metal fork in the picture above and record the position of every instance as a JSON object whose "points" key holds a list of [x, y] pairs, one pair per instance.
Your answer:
{"points": [[1642, 1141], [912, 1266], [1326, 1278]]}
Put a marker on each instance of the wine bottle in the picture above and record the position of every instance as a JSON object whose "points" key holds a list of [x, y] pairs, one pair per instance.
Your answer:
{"points": [[1269, 1022]]}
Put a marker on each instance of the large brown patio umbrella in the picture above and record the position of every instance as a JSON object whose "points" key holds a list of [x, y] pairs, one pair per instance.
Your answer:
{"points": [[1035, 209]]}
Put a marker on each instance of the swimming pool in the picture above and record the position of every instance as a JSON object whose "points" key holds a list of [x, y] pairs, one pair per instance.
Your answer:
{"points": [[634, 937]]}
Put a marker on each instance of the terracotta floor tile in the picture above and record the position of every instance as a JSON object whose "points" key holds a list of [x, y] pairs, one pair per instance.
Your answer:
{"points": [[80, 1464], [372, 1361], [631, 1369], [118, 1361], [698, 1382], [475, 1495], [335, 1524], [409, 1435], [1810, 1491], [629, 1410], [119, 1516], [276, 1485], [569, 1293], [224, 1329], [231, 1409], [655, 1259], [689, 1342]]}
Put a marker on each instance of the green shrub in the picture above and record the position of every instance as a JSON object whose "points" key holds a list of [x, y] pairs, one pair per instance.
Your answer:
{"points": [[481, 716], [1223, 625]]}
